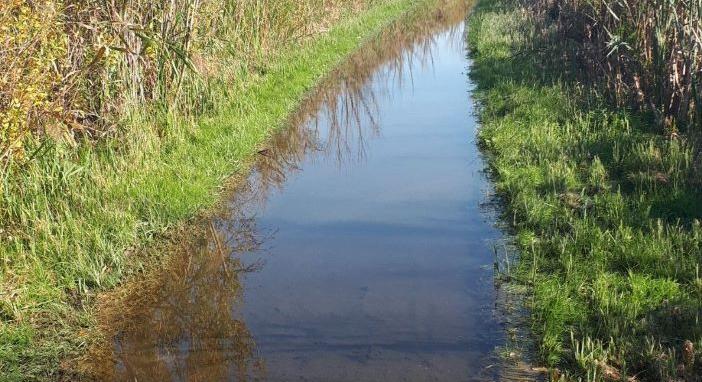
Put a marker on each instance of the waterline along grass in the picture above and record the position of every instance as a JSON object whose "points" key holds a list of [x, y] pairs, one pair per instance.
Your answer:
{"points": [[74, 211], [606, 209]]}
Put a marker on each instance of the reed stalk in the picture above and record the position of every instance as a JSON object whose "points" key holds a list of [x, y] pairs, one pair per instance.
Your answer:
{"points": [[643, 55]]}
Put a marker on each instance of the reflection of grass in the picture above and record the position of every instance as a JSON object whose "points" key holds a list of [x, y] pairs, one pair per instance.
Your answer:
{"points": [[184, 315], [607, 212], [77, 214]]}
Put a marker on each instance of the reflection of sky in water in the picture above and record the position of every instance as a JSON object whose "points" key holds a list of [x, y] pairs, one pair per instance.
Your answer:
{"points": [[374, 246], [378, 265], [416, 171]]}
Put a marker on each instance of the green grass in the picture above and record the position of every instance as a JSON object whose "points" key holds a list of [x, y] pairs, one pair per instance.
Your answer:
{"points": [[606, 211], [78, 213]]}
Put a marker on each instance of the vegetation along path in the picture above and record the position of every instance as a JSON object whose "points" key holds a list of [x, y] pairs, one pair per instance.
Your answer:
{"points": [[113, 136], [590, 118], [121, 125]]}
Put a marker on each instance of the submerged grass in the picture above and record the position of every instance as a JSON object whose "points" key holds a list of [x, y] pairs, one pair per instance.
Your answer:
{"points": [[79, 212], [606, 209]]}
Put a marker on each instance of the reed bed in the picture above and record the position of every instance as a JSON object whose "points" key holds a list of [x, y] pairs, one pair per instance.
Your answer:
{"points": [[74, 67], [642, 55]]}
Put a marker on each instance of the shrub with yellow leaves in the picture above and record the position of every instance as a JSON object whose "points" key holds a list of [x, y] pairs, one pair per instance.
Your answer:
{"points": [[31, 45]]}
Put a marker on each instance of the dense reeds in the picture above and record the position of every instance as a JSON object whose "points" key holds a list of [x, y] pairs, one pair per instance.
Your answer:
{"points": [[644, 55], [71, 68]]}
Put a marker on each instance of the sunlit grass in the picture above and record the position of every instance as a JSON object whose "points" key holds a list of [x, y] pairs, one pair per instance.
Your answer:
{"points": [[607, 212]]}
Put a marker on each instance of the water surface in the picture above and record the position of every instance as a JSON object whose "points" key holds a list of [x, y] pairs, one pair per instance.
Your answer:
{"points": [[359, 248]]}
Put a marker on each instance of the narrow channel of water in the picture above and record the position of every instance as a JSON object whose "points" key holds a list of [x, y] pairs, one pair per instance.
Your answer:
{"points": [[359, 248]]}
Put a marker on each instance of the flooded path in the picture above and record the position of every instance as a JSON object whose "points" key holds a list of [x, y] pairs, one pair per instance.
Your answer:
{"points": [[359, 249]]}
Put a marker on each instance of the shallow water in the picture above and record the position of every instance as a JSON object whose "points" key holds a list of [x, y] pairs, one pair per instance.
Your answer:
{"points": [[359, 248]]}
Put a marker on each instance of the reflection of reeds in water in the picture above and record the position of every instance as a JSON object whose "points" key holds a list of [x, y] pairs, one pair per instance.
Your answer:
{"points": [[181, 322], [347, 100]]}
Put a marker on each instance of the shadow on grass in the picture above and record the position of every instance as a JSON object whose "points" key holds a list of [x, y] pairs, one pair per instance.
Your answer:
{"points": [[606, 209]]}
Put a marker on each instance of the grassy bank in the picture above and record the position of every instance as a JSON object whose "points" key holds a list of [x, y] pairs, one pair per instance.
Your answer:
{"points": [[605, 205], [74, 214]]}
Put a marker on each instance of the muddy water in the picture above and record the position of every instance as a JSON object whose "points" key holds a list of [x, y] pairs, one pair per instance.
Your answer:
{"points": [[359, 248]]}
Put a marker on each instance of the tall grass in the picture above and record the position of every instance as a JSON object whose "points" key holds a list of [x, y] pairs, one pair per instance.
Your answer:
{"points": [[74, 67], [645, 55], [137, 74]]}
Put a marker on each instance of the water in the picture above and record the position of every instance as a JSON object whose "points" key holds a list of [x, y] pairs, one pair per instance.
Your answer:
{"points": [[359, 249]]}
